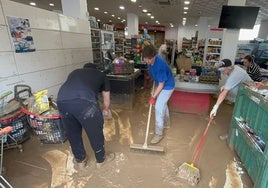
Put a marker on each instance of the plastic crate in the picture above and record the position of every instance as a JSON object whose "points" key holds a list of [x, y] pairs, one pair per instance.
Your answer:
{"points": [[253, 109], [49, 129], [19, 123]]}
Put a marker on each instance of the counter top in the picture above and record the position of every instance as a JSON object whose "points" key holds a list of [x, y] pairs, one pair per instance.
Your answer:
{"points": [[195, 87], [134, 75]]}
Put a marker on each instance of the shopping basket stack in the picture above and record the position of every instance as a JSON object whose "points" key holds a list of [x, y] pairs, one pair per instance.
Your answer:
{"points": [[12, 115], [18, 121], [3, 139], [47, 127]]}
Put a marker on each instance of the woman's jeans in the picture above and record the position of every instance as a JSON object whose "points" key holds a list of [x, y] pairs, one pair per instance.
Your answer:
{"points": [[161, 111]]}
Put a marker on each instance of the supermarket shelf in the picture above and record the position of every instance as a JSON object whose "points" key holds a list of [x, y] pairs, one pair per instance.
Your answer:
{"points": [[213, 54]]}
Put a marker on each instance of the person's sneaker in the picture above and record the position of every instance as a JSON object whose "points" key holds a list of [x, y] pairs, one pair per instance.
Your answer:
{"points": [[224, 137], [108, 158], [166, 126], [156, 139], [82, 164]]}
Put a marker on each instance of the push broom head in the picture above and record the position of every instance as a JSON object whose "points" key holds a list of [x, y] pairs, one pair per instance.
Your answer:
{"points": [[144, 147], [189, 173]]}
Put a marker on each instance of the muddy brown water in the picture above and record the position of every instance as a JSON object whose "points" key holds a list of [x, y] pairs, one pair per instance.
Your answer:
{"points": [[51, 165]]}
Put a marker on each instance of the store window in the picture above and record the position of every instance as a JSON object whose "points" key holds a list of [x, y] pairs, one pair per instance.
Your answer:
{"points": [[249, 34]]}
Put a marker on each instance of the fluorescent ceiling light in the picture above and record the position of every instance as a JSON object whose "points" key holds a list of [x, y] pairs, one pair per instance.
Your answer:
{"points": [[185, 8], [33, 3], [105, 12], [144, 10], [152, 17], [184, 12], [121, 7], [96, 8], [134, 1], [113, 15], [186, 2], [51, 4]]}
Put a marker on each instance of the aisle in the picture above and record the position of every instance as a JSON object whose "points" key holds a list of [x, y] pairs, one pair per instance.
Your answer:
{"points": [[52, 165]]}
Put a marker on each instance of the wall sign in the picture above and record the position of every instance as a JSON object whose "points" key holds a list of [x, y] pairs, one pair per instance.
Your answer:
{"points": [[20, 31]]}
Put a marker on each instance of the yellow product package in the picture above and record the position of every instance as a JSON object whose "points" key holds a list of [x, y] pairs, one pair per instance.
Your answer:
{"points": [[41, 103]]}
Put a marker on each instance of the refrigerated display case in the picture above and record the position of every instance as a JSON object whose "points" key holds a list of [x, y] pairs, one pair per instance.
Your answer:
{"points": [[107, 42], [249, 133], [96, 45]]}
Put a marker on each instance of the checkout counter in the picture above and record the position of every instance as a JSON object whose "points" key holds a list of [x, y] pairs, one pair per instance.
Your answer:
{"points": [[123, 88], [190, 97]]}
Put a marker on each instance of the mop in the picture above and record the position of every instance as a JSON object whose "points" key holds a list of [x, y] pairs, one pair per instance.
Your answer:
{"points": [[145, 146], [189, 171]]}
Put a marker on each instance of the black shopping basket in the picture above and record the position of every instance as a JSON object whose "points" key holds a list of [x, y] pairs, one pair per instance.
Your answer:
{"points": [[49, 129], [18, 121]]}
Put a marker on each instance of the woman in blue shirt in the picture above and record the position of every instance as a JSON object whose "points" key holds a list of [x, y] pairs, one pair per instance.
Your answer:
{"points": [[164, 81]]}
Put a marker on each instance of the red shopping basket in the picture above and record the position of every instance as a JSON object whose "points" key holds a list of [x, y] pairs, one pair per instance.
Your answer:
{"points": [[49, 129], [18, 121]]}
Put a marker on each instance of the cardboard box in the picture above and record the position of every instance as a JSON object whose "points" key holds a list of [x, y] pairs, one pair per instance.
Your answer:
{"points": [[184, 63]]}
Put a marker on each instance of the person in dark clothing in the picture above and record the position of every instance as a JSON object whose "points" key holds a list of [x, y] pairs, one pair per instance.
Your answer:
{"points": [[253, 69], [79, 109]]}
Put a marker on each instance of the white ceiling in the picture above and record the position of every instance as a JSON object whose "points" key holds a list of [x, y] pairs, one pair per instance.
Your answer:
{"points": [[165, 11]]}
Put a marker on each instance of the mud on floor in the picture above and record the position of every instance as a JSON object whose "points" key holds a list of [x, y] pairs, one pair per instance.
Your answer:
{"points": [[52, 165]]}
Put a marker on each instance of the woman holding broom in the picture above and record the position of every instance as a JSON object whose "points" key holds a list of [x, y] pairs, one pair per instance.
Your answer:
{"points": [[164, 80]]}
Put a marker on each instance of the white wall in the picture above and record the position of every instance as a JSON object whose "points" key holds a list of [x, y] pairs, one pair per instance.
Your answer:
{"points": [[171, 33], [62, 44], [229, 44], [187, 32]]}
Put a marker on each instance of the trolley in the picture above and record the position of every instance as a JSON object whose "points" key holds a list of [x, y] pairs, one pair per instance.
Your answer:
{"points": [[11, 115], [3, 139]]}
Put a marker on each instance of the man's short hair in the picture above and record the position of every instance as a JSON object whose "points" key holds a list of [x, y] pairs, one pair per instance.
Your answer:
{"points": [[149, 51], [90, 65]]}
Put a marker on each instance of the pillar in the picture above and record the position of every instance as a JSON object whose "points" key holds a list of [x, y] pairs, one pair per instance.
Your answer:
{"points": [[263, 32], [230, 36], [202, 27], [75, 8], [132, 24]]}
